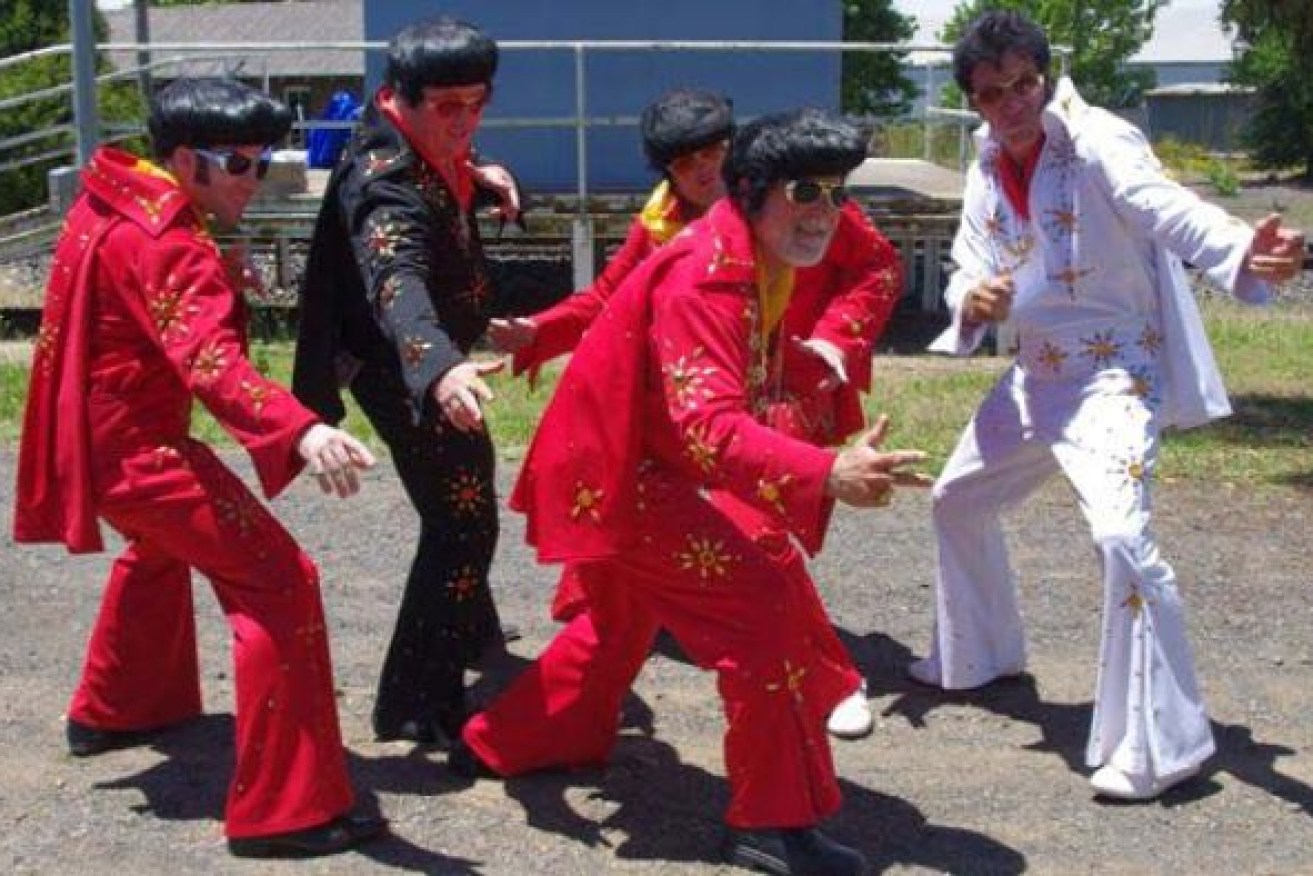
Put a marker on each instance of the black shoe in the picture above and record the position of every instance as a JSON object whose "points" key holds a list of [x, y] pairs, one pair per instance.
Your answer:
{"points": [[803, 851], [86, 741], [420, 732], [462, 761], [330, 838]]}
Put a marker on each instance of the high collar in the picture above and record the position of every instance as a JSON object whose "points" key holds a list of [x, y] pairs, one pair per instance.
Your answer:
{"points": [[1059, 117], [135, 188]]}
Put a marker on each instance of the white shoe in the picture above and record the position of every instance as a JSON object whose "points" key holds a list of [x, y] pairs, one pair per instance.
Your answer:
{"points": [[851, 719], [1108, 781]]}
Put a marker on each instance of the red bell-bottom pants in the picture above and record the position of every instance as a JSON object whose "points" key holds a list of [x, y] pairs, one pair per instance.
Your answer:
{"points": [[733, 609], [181, 508]]}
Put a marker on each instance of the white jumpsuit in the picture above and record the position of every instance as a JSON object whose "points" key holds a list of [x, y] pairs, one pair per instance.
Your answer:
{"points": [[1111, 350]]}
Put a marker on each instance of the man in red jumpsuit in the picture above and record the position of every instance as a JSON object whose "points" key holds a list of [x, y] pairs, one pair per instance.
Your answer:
{"points": [[838, 309], [666, 398], [143, 314]]}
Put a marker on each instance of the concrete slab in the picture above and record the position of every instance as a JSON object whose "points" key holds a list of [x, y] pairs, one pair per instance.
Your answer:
{"points": [[908, 177]]}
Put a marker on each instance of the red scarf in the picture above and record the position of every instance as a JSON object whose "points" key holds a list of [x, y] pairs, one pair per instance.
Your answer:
{"points": [[456, 173], [1016, 178]]}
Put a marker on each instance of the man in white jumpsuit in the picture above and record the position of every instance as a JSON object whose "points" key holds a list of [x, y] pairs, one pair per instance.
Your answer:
{"points": [[1070, 228]]}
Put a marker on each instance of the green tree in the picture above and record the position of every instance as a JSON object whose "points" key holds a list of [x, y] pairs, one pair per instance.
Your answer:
{"points": [[1102, 35], [1275, 36], [27, 25], [873, 82]]}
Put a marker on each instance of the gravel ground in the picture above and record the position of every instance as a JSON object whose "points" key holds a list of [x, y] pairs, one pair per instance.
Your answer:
{"points": [[990, 782]]}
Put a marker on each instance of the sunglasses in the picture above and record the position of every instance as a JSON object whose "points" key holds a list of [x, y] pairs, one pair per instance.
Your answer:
{"points": [[805, 192], [237, 164], [1022, 85], [450, 107], [689, 160]]}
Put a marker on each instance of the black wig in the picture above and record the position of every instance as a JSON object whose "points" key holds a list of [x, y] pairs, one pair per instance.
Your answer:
{"points": [[785, 146], [682, 121], [993, 35], [439, 53], [204, 112]]}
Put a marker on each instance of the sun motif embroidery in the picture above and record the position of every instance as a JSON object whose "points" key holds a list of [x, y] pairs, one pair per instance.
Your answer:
{"points": [[415, 350], [465, 584], [586, 502], [1052, 357], [699, 450], [720, 258], [382, 237], [706, 557], [390, 291], [688, 382], [772, 491], [467, 493], [1101, 348], [1064, 219], [1135, 602], [1150, 340], [209, 363], [1142, 383], [1069, 277], [238, 513], [854, 326], [46, 338], [258, 393], [170, 310], [792, 681]]}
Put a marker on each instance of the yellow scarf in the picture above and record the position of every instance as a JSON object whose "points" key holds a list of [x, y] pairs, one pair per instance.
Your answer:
{"points": [[661, 214], [773, 294]]}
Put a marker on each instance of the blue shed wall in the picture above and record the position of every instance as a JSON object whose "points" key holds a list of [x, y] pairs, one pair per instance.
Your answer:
{"points": [[541, 83]]}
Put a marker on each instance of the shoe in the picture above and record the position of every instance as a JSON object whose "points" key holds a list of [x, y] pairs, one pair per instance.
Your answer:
{"points": [[1108, 781], [803, 851], [851, 719], [330, 838], [419, 732], [462, 761], [86, 741]]}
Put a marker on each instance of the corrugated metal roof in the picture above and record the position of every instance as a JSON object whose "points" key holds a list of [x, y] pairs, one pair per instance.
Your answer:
{"points": [[288, 21]]}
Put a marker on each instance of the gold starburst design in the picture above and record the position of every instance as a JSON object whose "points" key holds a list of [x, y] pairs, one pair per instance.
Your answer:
{"points": [[209, 363], [382, 238], [390, 291], [772, 491], [465, 584], [239, 513], [415, 351], [707, 557], [1135, 602], [1052, 357], [792, 681], [1102, 348], [1150, 340], [1065, 219], [699, 450], [688, 382], [586, 502], [258, 393], [170, 310], [467, 494]]}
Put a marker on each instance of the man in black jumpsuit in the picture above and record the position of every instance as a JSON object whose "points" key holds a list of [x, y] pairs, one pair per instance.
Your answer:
{"points": [[396, 292]]}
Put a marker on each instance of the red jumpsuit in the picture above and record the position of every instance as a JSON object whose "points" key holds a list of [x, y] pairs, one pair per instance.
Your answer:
{"points": [[846, 299], [665, 399], [141, 316]]}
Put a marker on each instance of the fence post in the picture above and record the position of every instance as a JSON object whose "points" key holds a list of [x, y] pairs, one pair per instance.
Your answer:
{"points": [[84, 79]]}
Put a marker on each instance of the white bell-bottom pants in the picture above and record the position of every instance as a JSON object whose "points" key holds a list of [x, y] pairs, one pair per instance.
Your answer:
{"points": [[1148, 713]]}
